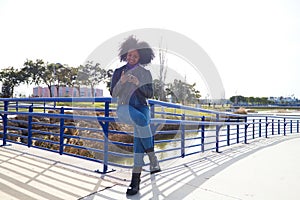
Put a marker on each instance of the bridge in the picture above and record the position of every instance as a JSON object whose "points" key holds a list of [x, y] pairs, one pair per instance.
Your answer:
{"points": [[72, 148]]}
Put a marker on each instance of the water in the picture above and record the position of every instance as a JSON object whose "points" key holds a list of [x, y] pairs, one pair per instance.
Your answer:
{"points": [[210, 143], [210, 139]]}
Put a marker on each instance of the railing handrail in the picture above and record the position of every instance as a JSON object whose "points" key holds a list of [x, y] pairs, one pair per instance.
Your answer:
{"points": [[59, 99], [151, 102], [237, 125]]}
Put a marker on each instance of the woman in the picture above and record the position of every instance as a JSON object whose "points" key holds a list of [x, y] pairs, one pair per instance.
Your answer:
{"points": [[132, 84]]}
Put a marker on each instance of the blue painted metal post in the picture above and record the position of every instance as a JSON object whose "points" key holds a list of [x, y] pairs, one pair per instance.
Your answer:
{"points": [[297, 126], [266, 134], [291, 126], [152, 115], [272, 126], [246, 127], [152, 110], [279, 127], [105, 131], [237, 133], [61, 131], [182, 136], [217, 132], [202, 134], [259, 128], [5, 123], [284, 124], [29, 135], [17, 106], [228, 135], [253, 129]]}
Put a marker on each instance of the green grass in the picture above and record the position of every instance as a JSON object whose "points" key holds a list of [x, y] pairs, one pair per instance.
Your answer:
{"points": [[102, 105], [82, 104]]}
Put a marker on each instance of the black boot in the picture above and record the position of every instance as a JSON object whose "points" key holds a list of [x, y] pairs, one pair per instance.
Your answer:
{"points": [[154, 165], [134, 186]]}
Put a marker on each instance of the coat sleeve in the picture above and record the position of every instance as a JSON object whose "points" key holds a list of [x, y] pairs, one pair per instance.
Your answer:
{"points": [[115, 86], [146, 85]]}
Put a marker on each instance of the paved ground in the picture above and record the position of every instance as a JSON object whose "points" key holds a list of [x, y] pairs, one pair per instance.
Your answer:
{"points": [[264, 169]]}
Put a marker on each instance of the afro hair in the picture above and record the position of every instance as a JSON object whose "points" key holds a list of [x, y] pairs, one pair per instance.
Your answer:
{"points": [[131, 43]]}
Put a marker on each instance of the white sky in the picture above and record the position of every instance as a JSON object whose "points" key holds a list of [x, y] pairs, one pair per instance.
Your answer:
{"points": [[254, 44]]}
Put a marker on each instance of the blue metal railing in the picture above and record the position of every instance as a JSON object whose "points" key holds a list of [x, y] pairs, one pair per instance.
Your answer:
{"points": [[88, 128]]}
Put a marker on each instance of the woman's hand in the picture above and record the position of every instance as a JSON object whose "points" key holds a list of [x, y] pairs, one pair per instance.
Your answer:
{"points": [[133, 79], [129, 78], [124, 78]]}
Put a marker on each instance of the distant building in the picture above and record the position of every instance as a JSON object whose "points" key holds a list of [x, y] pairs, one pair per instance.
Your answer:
{"points": [[283, 99], [66, 92]]}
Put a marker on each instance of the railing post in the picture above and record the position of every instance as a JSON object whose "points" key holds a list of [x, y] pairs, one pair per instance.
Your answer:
{"points": [[152, 115], [284, 124], [297, 126], [266, 134], [5, 123], [183, 136], [291, 126], [237, 133], [272, 126], [253, 129], [17, 106], [61, 131], [228, 135], [279, 127], [217, 133], [259, 128], [105, 131], [44, 106], [29, 134], [246, 127], [202, 134], [152, 110]]}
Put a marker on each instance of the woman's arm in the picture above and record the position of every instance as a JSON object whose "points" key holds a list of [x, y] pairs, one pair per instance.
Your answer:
{"points": [[115, 85], [146, 85]]}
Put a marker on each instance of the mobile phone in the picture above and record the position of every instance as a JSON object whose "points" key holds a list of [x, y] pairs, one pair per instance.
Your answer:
{"points": [[130, 76]]}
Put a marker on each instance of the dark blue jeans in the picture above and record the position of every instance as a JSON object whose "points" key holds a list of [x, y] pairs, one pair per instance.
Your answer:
{"points": [[143, 139]]}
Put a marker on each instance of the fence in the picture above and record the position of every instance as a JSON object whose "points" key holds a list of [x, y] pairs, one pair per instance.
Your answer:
{"points": [[88, 128]]}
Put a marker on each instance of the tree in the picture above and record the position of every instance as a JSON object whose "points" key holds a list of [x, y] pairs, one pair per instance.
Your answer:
{"points": [[195, 92], [91, 75], [33, 70], [182, 92], [11, 78], [59, 75], [237, 99], [251, 100], [156, 89], [160, 84], [41, 73], [69, 78], [107, 77], [264, 100]]}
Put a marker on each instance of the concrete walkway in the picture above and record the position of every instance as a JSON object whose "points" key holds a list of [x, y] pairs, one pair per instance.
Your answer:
{"points": [[264, 169]]}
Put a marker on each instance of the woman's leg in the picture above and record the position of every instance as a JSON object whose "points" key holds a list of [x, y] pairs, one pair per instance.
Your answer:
{"points": [[130, 115], [140, 118], [138, 149], [143, 137]]}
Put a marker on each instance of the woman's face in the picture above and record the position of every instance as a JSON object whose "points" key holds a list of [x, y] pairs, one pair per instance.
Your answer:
{"points": [[133, 57]]}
